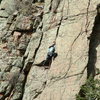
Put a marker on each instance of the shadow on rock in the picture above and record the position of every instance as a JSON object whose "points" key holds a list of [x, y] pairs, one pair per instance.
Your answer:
{"points": [[47, 63]]}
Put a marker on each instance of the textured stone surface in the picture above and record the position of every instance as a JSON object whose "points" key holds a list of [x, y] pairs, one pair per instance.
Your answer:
{"points": [[28, 28]]}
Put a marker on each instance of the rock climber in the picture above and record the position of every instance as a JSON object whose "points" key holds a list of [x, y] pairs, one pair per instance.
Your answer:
{"points": [[51, 51], [51, 55]]}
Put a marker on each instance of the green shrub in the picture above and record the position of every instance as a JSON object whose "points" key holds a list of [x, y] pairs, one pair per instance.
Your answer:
{"points": [[90, 91]]}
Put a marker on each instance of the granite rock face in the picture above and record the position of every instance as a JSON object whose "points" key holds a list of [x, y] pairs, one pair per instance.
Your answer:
{"points": [[28, 28]]}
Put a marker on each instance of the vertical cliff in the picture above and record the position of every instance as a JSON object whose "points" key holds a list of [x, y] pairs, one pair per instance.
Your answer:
{"points": [[28, 28]]}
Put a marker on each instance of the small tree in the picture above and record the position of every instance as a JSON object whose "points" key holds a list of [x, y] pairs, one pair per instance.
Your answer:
{"points": [[90, 91]]}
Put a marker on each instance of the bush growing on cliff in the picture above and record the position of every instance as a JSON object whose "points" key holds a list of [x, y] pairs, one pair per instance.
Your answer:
{"points": [[90, 91]]}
